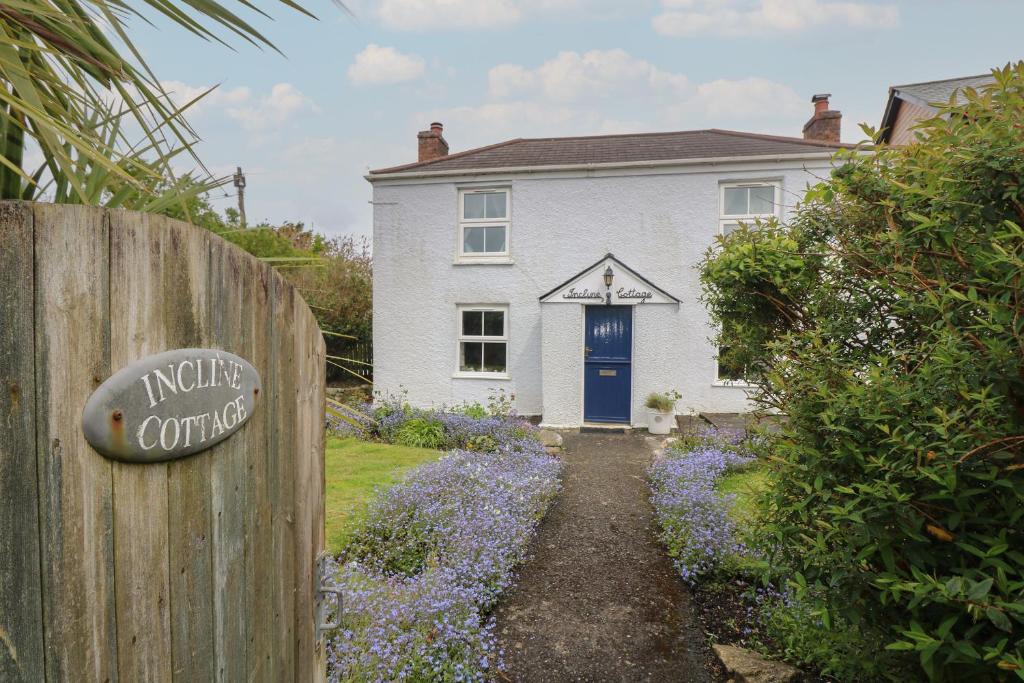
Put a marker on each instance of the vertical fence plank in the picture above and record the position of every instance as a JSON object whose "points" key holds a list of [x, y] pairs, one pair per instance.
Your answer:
{"points": [[21, 608], [304, 657], [185, 276], [316, 501], [230, 318], [282, 478], [75, 508], [137, 323], [258, 570]]}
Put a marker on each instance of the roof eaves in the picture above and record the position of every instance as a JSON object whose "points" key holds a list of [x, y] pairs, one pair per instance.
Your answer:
{"points": [[892, 108], [821, 153]]}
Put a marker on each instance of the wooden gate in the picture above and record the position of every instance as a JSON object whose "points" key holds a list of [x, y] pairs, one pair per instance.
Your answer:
{"points": [[192, 570]]}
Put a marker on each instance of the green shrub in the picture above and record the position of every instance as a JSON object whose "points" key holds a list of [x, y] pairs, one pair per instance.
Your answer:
{"points": [[420, 433], [797, 632], [473, 410], [887, 321]]}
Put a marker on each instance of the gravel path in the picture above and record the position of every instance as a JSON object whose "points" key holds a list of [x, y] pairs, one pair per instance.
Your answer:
{"points": [[600, 601]]}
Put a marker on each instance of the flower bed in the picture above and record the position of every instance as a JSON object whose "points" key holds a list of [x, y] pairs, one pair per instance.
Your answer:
{"points": [[434, 552], [694, 518]]}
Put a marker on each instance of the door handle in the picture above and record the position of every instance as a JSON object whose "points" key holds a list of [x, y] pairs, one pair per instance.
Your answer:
{"points": [[587, 350]]}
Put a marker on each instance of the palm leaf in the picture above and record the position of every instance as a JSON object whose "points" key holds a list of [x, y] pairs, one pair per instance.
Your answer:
{"points": [[58, 67]]}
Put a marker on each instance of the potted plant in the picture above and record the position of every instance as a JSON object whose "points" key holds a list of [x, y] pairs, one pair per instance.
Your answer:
{"points": [[660, 412]]}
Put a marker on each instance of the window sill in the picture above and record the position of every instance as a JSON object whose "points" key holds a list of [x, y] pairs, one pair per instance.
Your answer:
{"points": [[482, 375], [484, 261], [733, 384]]}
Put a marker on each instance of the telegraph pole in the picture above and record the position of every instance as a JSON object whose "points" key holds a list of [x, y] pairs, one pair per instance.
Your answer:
{"points": [[240, 191]]}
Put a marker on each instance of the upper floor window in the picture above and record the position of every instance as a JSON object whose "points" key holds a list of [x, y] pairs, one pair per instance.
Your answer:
{"points": [[746, 202], [484, 223]]}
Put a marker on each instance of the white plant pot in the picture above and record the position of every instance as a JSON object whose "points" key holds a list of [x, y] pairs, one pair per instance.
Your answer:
{"points": [[660, 423]]}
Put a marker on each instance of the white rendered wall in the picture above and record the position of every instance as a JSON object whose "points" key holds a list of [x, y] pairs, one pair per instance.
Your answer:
{"points": [[658, 223], [562, 364]]}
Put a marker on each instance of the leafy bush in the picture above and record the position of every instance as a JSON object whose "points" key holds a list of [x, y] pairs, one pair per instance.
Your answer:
{"points": [[420, 433], [797, 632], [473, 410], [887, 321]]}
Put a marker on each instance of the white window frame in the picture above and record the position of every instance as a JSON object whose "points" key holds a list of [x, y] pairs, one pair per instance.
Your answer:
{"points": [[463, 256], [723, 220], [460, 338]]}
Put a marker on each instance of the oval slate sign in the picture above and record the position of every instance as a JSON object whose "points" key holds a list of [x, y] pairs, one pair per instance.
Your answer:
{"points": [[171, 405]]}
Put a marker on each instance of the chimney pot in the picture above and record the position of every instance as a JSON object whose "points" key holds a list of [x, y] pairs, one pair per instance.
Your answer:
{"points": [[820, 102], [432, 144], [825, 123]]}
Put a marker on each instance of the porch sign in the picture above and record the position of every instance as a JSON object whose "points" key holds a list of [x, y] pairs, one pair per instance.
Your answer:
{"points": [[171, 405], [629, 288]]}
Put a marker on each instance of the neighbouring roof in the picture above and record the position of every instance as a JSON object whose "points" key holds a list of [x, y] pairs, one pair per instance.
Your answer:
{"points": [[612, 149], [939, 91], [925, 95]]}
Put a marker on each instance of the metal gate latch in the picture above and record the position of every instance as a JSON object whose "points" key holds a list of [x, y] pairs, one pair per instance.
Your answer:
{"points": [[322, 602]]}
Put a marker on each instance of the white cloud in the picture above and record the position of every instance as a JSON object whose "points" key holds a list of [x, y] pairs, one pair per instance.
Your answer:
{"points": [[182, 93], [596, 74], [733, 100], [428, 15], [420, 15], [765, 18], [611, 91], [283, 102], [378, 65]]}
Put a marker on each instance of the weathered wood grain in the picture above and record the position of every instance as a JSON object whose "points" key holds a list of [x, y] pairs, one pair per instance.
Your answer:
{"points": [[187, 312], [21, 608], [282, 476], [317, 411], [259, 572], [304, 579], [72, 350], [229, 319], [138, 315]]}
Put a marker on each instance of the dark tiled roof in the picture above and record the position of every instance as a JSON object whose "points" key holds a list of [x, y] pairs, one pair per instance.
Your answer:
{"points": [[605, 149], [939, 91]]}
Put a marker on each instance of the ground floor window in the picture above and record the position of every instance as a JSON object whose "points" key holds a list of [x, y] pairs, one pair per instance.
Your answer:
{"points": [[483, 339], [728, 369]]}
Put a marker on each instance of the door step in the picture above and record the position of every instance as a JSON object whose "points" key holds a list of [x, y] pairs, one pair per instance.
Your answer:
{"points": [[601, 428]]}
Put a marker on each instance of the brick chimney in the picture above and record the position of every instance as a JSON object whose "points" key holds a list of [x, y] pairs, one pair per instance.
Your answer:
{"points": [[825, 123], [432, 143]]}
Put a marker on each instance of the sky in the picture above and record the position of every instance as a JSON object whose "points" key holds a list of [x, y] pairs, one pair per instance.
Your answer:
{"points": [[351, 89]]}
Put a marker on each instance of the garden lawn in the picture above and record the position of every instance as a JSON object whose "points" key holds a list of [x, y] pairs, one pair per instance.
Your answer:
{"points": [[354, 470], [745, 485]]}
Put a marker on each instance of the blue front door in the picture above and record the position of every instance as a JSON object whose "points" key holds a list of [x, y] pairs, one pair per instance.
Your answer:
{"points": [[607, 369]]}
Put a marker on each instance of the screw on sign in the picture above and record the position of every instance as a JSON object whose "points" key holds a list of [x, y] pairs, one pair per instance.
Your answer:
{"points": [[171, 405]]}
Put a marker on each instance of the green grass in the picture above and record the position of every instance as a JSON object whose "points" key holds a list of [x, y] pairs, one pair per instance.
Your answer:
{"points": [[354, 470], [745, 484]]}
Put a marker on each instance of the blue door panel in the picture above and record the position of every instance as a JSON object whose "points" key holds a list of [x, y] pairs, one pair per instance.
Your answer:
{"points": [[607, 373]]}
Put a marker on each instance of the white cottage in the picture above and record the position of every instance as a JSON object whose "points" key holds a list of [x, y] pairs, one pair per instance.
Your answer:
{"points": [[562, 270]]}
